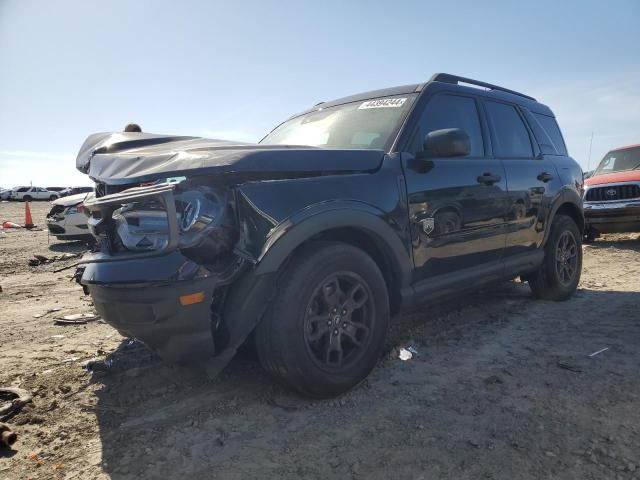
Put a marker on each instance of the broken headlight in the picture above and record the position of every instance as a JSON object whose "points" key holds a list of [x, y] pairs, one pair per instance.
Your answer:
{"points": [[143, 226]]}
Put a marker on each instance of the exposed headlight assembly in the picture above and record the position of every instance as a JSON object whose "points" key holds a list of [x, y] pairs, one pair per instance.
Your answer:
{"points": [[156, 219], [143, 226]]}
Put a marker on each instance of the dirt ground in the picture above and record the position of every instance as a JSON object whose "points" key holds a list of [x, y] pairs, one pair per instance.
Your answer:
{"points": [[502, 386]]}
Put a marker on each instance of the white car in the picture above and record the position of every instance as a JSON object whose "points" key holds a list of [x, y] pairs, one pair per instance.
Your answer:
{"points": [[67, 219], [5, 194], [33, 193]]}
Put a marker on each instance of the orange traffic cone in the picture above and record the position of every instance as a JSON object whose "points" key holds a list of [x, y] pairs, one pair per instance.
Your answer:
{"points": [[28, 221]]}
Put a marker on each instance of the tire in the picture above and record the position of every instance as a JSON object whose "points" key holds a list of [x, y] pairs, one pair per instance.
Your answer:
{"points": [[27, 198], [52, 198], [312, 339], [558, 277]]}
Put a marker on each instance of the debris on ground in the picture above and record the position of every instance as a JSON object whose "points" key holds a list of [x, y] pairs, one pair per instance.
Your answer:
{"points": [[405, 354], [130, 354], [598, 352], [14, 399], [51, 310], [7, 225], [7, 436], [42, 260], [76, 319], [571, 368]]}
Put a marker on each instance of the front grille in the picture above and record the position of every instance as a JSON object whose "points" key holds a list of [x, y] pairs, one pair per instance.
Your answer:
{"points": [[614, 192]]}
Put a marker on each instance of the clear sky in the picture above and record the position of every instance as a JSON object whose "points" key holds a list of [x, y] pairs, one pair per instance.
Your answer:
{"points": [[235, 69]]}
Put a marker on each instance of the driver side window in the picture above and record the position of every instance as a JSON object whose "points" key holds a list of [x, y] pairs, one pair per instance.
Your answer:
{"points": [[450, 111]]}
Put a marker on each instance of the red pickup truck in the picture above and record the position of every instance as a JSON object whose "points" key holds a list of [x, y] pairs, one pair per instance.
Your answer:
{"points": [[612, 194]]}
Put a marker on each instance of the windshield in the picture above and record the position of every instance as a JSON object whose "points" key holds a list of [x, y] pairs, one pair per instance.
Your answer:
{"points": [[619, 160], [370, 124]]}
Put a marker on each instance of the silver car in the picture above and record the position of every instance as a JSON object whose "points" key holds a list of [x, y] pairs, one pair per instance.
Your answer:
{"points": [[67, 219]]}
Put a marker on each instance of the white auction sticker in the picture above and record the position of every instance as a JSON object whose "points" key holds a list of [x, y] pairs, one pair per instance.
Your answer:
{"points": [[383, 103]]}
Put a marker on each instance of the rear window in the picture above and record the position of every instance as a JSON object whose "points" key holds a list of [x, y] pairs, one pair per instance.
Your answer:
{"points": [[553, 131]]}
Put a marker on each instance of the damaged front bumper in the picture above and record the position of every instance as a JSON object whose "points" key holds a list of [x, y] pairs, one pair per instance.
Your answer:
{"points": [[161, 297], [179, 331]]}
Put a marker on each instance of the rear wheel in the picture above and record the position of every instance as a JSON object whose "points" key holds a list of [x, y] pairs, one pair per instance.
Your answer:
{"points": [[27, 198], [325, 330], [52, 198], [559, 275]]}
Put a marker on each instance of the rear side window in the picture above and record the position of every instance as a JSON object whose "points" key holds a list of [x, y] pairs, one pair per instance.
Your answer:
{"points": [[511, 135], [450, 111], [553, 131], [23, 189]]}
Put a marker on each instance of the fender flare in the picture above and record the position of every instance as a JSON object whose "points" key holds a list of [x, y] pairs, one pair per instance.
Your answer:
{"points": [[305, 224], [566, 196]]}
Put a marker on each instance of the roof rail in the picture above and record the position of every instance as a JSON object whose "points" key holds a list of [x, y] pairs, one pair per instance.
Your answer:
{"points": [[448, 78]]}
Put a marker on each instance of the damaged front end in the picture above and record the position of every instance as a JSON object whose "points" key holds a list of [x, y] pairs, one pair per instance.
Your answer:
{"points": [[163, 262]]}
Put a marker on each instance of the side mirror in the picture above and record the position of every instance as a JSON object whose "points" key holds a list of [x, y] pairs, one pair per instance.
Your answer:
{"points": [[449, 142]]}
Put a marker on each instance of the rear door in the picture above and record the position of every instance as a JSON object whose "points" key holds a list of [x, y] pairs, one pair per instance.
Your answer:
{"points": [[532, 180], [457, 205]]}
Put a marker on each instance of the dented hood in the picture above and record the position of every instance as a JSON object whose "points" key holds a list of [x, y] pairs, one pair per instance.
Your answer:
{"points": [[123, 158], [71, 200]]}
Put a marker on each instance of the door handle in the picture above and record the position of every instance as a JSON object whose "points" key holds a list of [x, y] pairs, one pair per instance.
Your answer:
{"points": [[545, 177], [488, 178]]}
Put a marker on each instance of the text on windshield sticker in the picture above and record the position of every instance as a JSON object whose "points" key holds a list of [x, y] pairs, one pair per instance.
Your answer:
{"points": [[383, 103]]}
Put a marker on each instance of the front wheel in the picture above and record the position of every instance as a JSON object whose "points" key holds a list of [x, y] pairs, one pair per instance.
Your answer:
{"points": [[559, 275], [325, 330], [52, 198]]}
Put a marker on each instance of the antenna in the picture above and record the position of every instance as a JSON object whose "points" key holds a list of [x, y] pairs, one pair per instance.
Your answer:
{"points": [[589, 157]]}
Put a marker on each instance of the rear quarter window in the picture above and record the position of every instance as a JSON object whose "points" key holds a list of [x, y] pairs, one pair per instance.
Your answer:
{"points": [[552, 129], [511, 136]]}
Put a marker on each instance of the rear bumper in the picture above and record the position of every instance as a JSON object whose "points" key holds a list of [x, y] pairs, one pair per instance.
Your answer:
{"points": [[613, 217], [154, 315]]}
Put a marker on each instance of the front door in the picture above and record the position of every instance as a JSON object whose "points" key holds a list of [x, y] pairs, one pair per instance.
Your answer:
{"points": [[457, 205]]}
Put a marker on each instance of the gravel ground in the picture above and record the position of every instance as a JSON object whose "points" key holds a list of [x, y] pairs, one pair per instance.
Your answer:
{"points": [[502, 387]]}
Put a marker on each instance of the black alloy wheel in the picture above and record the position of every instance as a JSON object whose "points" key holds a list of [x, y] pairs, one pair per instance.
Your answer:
{"points": [[339, 320], [566, 258]]}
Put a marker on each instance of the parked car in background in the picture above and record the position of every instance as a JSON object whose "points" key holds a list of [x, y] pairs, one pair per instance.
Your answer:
{"points": [[5, 194], [612, 194], [28, 194], [344, 214], [67, 219], [75, 190]]}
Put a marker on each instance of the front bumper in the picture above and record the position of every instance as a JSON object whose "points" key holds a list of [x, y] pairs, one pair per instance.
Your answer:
{"points": [[155, 315], [66, 229], [613, 217], [141, 298]]}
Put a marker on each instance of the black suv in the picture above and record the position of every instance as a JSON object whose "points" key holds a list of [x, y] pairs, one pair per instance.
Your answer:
{"points": [[340, 217]]}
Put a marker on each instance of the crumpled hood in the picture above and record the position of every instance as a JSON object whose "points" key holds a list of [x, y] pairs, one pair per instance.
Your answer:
{"points": [[123, 158], [71, 200]]}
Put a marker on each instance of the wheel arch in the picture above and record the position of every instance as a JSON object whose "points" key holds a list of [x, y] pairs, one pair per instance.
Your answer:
{"points": [[356, 224], [569, 203]]}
